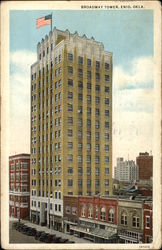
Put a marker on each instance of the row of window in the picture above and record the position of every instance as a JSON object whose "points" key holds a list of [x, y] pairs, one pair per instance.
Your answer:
{"points": [[97, 135], [80, 158], [57, 207], [80, 171], [89, 61], [80, 183]]}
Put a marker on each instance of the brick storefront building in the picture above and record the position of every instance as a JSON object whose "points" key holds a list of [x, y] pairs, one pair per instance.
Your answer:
{"points": [[19, 185], [97, 218]]}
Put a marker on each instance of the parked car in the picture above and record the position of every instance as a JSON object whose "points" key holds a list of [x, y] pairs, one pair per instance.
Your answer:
{"points": [[63, 240], [38, 234], [31, 232]]}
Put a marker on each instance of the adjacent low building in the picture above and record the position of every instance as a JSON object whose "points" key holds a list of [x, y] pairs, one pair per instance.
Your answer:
{"points": [[19, 186]]}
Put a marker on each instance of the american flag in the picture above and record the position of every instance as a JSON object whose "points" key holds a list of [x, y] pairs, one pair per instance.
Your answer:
{"points": [[46, 20]]}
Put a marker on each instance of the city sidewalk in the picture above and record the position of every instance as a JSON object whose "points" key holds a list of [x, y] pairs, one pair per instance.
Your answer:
{"points": [[57, 233]]}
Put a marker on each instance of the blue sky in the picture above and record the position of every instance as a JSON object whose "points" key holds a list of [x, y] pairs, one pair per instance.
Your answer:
{"points": [[128, 34]]}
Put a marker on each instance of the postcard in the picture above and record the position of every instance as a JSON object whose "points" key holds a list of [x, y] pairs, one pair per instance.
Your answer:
{"points": [[81, 125]]}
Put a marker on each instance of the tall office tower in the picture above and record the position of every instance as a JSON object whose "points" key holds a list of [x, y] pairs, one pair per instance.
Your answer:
{"points": [[71, 122]]}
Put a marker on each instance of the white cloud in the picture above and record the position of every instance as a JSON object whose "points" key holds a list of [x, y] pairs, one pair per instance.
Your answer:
{"points": [[23, 59], [138, 75], [21, 62], [133, 107]]}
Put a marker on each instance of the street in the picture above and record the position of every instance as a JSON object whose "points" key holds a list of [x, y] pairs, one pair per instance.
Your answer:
{"points": [[17, 237]]}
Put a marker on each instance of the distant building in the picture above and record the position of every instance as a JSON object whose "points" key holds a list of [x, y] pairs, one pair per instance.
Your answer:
{"points": [[126, 170], [19, 185], [145, 166]]}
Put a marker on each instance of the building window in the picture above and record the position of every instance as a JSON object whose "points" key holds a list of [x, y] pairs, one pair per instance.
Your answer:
{"points": [[88, 123], [88, 147], [106, 124], [106, 159], [103, 214], [88, 111], [74, 210], [97, 100], [89, 86], [79, 158], [90, 211], [147, 222], [88, 99], [106, 136], [97, 76], [70, 145], [70, 82], [67, 209], [79, 183], [135, 221], [97, 88], [88, 159], [111, 215], [70, 157], [88, 184], [97, 159], [70, 57], [97, 112], [97, 171], [70, 107], [107, 101], [107, 65], [89, 62], [83, 211], [80, 171], [97, 124], [70, 182], [70, 70], [80, 60], [124, 218], [79, 122], [70, 132], [70, 171], [96, 213], [70, 120], [80, 73], [80, 97], [107, 78], [88, 171], [79, 134], [80, 85], [79, 146], [106, 171], [107, 183], [70, 95], [107, 113], [97, 64], [107, 89], [97, 183], [97, 135], [106, 148], [88, 135], [88, 75]]}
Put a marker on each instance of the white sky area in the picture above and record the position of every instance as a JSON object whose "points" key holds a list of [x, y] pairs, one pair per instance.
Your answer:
{"points": [[133, 105]]}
